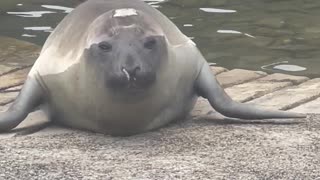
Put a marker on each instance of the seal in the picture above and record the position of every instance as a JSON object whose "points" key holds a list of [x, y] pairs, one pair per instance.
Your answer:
{"points": [[120, 67]]}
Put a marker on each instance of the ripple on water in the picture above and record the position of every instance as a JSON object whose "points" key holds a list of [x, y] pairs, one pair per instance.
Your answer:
{"points": [[216, 10], [154, 3], [62, 8], [39, 28], [28, 35], [30, 14], [234, 32]]}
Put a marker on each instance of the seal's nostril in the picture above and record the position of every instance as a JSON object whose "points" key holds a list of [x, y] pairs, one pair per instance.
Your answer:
{"points": [[136, 70], [132, 71]]}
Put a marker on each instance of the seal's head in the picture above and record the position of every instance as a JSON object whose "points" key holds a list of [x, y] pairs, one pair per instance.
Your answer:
{"points": [[128, 47]]}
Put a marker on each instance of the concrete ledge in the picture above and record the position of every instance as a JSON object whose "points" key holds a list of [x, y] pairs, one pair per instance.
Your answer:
{"points": [[195, 149]]}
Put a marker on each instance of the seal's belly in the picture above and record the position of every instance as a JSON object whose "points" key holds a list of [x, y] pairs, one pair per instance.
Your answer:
{"points": [[117, 118]]}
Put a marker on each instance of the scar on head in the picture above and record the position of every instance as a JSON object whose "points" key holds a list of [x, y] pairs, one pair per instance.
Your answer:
{"points": [[125, 12]]}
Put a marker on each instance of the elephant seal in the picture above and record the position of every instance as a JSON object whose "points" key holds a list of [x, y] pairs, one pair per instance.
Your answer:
{"points": [[120, 67]]}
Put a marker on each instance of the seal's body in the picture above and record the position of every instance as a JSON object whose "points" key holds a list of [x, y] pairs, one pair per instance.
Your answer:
{"points": [[121, 67], [79, 99]]}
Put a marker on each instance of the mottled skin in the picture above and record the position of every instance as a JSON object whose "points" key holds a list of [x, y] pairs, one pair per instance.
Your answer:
{"points": [[121, 75]]}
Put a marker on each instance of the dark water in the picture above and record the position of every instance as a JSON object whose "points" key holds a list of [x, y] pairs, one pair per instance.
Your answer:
{"points": [[268, 35]]}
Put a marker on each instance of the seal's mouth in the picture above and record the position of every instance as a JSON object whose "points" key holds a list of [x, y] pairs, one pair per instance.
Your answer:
{"points": [[131, 83], [128, 76]]}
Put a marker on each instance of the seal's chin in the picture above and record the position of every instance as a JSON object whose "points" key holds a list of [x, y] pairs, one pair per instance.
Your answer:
{"points": [[131, 84], [134, 88]]}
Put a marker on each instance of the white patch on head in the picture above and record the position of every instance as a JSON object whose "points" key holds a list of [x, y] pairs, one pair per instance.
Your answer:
{"points": [[125, 12]]}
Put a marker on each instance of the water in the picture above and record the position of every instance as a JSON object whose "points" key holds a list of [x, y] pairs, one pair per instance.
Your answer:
{"points": [[267, 35]]}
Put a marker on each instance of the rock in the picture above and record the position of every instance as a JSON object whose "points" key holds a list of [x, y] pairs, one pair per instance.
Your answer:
{"points": [[203, 109], [310, 107], [13, 79], [218, 70], [13, 89], [278, 77], [7, 97], [17, 53], [238, 76], [262, 86], [291, 97]]}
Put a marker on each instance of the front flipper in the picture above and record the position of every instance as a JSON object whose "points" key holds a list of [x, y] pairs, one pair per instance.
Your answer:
{"points": [[208, 87], [29, 98]]}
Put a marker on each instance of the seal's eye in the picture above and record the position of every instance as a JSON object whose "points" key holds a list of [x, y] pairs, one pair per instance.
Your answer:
{"points": [[150, 43], [105, 46]]}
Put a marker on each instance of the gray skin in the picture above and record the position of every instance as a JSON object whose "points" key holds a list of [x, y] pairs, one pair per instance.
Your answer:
{"points": [[122, 75]]}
